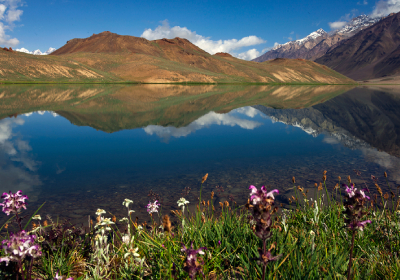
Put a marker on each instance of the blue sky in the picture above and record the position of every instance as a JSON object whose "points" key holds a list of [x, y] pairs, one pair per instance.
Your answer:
{"points": [[240, 25]]}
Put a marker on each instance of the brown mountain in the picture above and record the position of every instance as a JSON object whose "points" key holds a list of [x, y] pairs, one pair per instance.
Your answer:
{"points": [[373, 52], [109, 57], [178, 60]]}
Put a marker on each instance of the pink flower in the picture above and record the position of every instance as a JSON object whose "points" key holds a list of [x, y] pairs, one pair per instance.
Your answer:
{"points": [[152, 207], [258, 196], [19, 246], [359, 225], [13, 202]]}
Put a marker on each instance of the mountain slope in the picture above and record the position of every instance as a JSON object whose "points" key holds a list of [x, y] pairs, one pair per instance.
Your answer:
{"points": [[133, 59], [178, 60], [318, 42], [373, 52]]}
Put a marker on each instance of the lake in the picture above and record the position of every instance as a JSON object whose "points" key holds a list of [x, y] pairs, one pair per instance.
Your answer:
{"points": [[79, 148]]}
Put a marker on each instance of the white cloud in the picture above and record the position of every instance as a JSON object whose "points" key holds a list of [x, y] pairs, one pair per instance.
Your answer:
{"points": [[205, 43], [249, 55], [248, 111], [9, 13], [385, 7], [2, 10], [207, 120], [337, 24]]}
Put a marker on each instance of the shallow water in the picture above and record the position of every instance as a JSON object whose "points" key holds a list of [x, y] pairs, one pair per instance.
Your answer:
{"points": [[66, 156]]}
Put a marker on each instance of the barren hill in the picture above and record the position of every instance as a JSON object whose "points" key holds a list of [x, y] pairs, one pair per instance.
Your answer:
{"points": [[134, 59], [372, 53]]}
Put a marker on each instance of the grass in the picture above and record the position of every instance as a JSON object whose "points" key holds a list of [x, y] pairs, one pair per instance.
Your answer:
{"points": [[310, 237]]}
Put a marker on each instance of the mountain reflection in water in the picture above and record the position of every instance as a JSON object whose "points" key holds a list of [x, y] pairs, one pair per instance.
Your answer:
{"points": [[232, 134]]}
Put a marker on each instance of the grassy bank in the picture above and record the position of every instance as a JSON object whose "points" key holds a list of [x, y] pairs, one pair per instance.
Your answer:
{"points": [[312, 240]]}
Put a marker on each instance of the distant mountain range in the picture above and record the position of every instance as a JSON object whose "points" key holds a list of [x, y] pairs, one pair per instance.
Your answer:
{"points": [[111, 57], [318, 42], [371, 53], [36, 52], [364, 49]]}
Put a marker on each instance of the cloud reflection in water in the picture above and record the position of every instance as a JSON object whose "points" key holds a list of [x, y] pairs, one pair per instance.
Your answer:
{"points": [[14, 150], [207, 120]]}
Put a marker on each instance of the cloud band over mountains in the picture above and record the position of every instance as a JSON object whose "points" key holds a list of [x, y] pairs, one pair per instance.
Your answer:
{"points": [[229, 46]]}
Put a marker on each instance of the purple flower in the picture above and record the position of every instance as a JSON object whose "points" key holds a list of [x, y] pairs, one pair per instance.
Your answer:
{"points": [[258, 196], [152, 207], [358, 225], [353, 192], [192, 266], [19, 246], [219, 242], [13, 202], [350, 191], [267, 257], [59, 277]]}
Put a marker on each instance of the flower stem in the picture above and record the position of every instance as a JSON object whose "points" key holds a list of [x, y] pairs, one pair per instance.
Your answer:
{"points": [[351, 255]]}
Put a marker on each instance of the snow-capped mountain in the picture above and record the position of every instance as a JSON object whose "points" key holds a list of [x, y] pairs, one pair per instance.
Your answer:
{"points": [[309, 38], [36, 52], [357, 24], [317, 43]]}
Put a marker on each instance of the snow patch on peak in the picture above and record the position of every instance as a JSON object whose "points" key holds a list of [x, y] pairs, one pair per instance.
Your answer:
{"points": [[358, 23], [312, 36], [36, 52]]}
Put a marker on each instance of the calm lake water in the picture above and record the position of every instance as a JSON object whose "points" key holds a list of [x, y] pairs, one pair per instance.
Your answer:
{"points": [[77, 154]]}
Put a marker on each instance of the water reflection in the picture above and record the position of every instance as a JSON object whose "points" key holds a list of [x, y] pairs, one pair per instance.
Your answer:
{"points": [[235, 134], [17, 167], [205, 121]]}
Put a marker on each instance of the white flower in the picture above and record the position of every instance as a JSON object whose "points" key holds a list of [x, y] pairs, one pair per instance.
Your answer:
{"points": [[182, 202], [131, 211], [125, 219], [127, 202], [125, 238], [312, 233], [132, 252], [36, 217], [100, 211]]}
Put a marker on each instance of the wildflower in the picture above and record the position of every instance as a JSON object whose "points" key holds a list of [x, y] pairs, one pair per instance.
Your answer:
{"points": [[266, 257], [126, 202], [257, 196], [373, 178], [13, 203], [204, 178], [219, 241], [19, 246], [36, 217], [59, 277], [133, 253], [192, 266], [126, 238], [124, 220], [312, 233], [385, 174], [100, 212], [152, 207], [358, 225], [182, 202]]}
